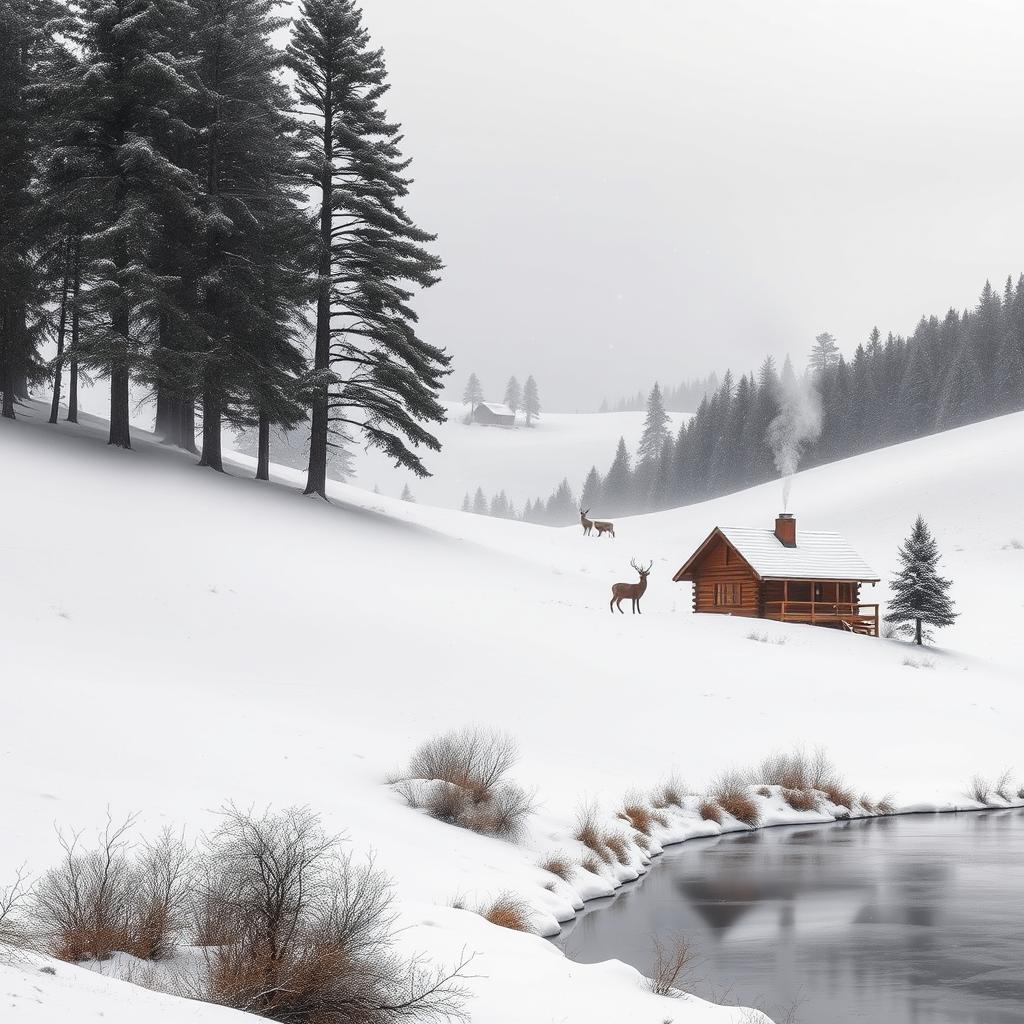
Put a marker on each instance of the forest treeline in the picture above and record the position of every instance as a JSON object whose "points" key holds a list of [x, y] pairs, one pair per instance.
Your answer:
{"points": [[182, 203], [953, 370], [684, 397]]}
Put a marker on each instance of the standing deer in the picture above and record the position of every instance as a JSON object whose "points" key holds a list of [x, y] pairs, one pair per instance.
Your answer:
{"points": [[587, 524], [604, 527], [634, 591]]}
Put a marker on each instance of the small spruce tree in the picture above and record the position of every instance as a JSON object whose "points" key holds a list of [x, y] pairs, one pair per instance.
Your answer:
{"points": [[480, 502], [513, 395], [474, 392], [920, 595], [407, 494]]}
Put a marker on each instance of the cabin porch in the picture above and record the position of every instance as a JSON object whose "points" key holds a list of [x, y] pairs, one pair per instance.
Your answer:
{"points": [[834, 603]]}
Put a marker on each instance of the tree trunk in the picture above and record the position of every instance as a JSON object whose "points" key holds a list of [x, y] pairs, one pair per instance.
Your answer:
{"points": [[917, 632], [58, 368], [6, 383], [187, 426], [73, 368], [263, 449], [120, 432], [316, 478], [164, 424], [211, 456]]}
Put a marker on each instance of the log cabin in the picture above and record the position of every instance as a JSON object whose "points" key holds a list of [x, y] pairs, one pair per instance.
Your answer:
{"points": [[494, 414], [813, 577]]}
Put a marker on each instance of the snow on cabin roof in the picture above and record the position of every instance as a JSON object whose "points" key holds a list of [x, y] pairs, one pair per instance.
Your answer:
{"points": [[817, 555], [497, 408]]}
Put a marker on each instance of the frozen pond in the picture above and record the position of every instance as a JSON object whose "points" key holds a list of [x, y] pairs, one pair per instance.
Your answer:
{"points": [[907, 920]]}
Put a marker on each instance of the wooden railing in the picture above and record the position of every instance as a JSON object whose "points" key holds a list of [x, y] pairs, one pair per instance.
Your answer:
{"points": [[853, 615]]}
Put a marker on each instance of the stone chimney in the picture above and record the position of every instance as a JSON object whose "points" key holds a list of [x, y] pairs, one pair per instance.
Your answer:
{"points": [[785, 529]]}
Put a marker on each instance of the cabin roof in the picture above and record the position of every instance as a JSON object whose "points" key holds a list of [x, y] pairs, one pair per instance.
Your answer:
{"points": [[497, 408], [818, 555]]}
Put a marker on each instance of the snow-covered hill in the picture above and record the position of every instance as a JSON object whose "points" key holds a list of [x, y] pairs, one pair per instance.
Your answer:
{"points": [[173, 639], [525, 463]]}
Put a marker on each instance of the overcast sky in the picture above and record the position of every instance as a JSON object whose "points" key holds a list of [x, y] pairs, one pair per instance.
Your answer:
{"points": [[661, 188]]}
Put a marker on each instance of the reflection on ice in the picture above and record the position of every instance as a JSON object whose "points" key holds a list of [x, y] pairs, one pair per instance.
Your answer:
{"points": [[902, 920]]}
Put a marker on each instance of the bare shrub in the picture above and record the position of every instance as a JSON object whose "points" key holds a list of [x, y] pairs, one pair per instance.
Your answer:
{"points": [[1003, 787], [710, 811], [801, 799], [789, 771], [729, 791], [508, 911], [868, 804], [467, 769], [12, 899], [980, 789], [590, 834], [671, 958], [308, 931], [560, 865], [1020, 793], [670, 793], [618, 846], [163, 897], [85, 908], [637, 814]]}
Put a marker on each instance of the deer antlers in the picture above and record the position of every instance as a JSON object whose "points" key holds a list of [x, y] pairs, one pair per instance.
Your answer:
{"points": [[643, 572]]}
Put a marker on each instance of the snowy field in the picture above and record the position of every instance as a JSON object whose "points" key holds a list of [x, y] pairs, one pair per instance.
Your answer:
{"points": [[173, 639], [525, 463]]}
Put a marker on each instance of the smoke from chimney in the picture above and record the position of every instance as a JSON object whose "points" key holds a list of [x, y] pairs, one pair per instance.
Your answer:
{"points": [[796, 425]]}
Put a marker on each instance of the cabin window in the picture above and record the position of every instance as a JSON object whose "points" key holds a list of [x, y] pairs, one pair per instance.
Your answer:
{"points": [[727, 595], [799, 591]]}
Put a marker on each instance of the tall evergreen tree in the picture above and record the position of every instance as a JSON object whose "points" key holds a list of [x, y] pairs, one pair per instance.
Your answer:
{"points": [[617, 497], [473, 393], [480, 502], [824, 352], [513, 395], [372, 371], [656, 427], [531, 401], [590, 496], [920, 595]]}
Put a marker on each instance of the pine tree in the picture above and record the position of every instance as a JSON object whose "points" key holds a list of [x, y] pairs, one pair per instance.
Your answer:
{"points": [[407, 494], [372, 372], [473, 394], [824, 352], [590, 497], [617, 494], [656, 428], [920, 595], [480, 502], [962, 397], [531, 401], [513, 395], [467, 505]]}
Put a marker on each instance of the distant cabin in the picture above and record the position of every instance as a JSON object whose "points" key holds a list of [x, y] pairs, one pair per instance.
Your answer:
{"points": [[776, 574], [494, 414]]}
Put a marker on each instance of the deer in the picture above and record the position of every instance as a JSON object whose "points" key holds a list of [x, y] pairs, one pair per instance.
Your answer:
{"points": [[587, 524], [634, 591], [604, 527]]}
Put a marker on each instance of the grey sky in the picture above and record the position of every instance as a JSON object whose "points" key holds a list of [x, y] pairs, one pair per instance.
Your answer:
{"points": [[659, 188]]}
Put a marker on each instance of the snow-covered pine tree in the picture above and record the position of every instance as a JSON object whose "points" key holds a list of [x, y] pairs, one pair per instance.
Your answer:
{"points": [[467, 505], [513, 395], [372, 371], [531, 401], [23, 51], [123, 108], [590, 496], [824, 352], [480, 502], [407, 494], [473, 393], [920, 595], [617, 495], [656, 427]]}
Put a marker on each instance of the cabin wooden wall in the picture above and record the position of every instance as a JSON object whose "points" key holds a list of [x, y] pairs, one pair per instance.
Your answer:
{"points": [[716, 567]]}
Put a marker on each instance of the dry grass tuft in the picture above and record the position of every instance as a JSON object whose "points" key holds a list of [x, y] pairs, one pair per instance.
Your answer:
{"points": [[590, 834], [730, 792], [560, 865], [638, 814], [460, 778], [508, 911], [671, 958], [980, 789], [670, 793], [1003, 787], [618, 846], [868, 804], [886, 805], [592, 864], [710, 811], [763, 791], [642, 841], [801, 799]]}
